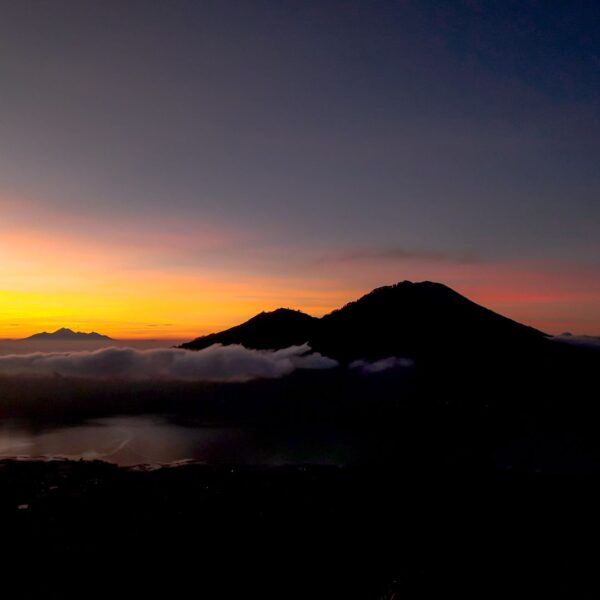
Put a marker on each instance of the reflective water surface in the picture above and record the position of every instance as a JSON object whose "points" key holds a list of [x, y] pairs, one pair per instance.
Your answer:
{"points": [[133, 440]]}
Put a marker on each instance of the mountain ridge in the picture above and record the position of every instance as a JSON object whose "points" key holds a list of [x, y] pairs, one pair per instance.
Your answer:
{"points": [[65, 333], [280, 328], [404, 319]]}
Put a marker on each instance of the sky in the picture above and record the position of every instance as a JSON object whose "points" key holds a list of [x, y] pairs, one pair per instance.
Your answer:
{"points": [[168, 169]]}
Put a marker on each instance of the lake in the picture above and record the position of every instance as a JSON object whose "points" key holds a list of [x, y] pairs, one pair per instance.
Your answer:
{"points": [[154, 440]]}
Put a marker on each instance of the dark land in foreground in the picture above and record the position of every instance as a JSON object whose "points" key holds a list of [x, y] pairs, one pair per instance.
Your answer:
{"points": [[484, 481], [77, 529]]}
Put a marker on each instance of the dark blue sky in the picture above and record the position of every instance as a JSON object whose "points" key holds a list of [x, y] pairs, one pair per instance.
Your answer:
{"points": [[313, 133]]}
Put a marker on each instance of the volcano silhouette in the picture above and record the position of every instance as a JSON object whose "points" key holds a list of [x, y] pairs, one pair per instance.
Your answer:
{"points": [[405, 319]]}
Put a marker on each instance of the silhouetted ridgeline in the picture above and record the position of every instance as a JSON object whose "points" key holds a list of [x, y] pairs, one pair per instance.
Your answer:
{"points": [[406, 319], [280, 328], [66, 334]]}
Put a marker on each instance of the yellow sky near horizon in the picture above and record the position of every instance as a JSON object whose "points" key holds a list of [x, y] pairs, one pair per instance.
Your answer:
{"points": [[129, 288], [46, 284]]}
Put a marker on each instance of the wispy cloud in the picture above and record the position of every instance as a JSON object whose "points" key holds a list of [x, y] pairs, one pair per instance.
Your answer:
{"points": [[385, 364], [395, 254]]}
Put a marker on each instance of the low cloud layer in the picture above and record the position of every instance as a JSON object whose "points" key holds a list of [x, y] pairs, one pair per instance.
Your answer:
{"points": [[384, 364], [589, 341], [217, 363]]}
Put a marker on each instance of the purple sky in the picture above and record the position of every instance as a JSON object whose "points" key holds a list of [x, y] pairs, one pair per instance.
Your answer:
{"points": [[309, 150]]}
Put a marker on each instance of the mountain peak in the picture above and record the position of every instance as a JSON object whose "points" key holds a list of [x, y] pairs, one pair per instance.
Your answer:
{"points": [[417, 319], [64, 333], [279, 314], [409, 319], [278, 328]]}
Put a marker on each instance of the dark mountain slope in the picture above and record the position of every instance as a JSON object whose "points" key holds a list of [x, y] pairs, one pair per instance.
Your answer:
{"points": [[280, 328], [417, 319], [407, 319]]}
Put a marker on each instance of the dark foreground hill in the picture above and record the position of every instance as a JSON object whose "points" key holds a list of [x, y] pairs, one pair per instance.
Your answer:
{"points": [[406, 319]]}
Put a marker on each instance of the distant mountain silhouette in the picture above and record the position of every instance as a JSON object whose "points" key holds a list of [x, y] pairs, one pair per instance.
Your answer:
{"points": [[280, 328], [67, 334], [405, 319]]}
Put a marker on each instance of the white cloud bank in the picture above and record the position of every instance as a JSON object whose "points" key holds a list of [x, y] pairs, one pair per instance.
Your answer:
{"points": [[217, 363]]}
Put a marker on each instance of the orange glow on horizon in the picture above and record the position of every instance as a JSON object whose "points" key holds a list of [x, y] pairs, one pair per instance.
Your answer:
{"points": [[131, 289], [48, 283]]}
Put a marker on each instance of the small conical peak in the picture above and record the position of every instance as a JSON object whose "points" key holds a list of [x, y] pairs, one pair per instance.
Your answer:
{"points": [[280, 313]]}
